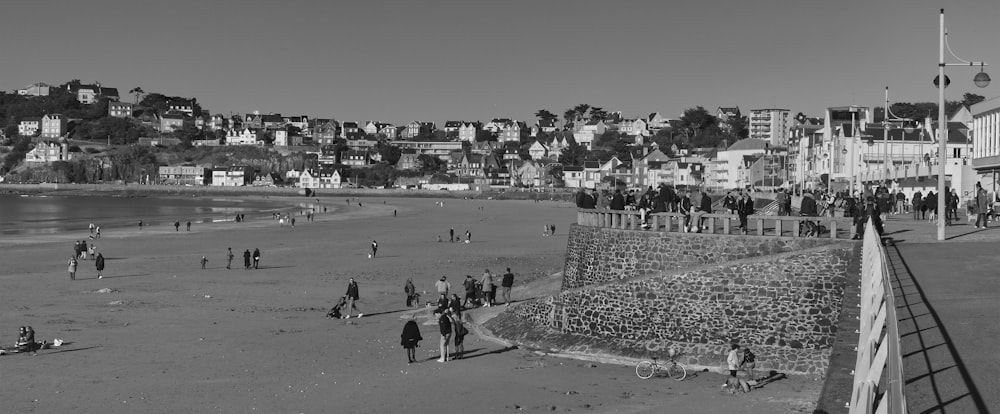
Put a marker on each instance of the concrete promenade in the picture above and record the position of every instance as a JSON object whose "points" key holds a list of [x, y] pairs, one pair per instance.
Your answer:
{"points": [[948, 305]]}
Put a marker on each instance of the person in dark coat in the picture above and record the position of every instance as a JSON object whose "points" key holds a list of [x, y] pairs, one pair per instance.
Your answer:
{"points": [[352, 298], [99, 262], [410, 340], [617, 201], [918, 202], [744, 208], [580, 198], [246, 259], [256, 258]]}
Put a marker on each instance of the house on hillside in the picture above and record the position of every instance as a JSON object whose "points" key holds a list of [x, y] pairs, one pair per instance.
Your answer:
{"points": [[35, 89], [588, 132], [496, 124], [185, 106], [538, 151], [172, 120], [48, 151], [245, 136], [355, 158], [53, 125], [88, 94], [120, 109], [655, 122], [29, 126], [468, 130], [512, 131], [326, 132], [635, 127], [408, 161]]}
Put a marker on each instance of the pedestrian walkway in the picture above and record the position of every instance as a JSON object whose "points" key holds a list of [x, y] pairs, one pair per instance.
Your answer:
{"points": [[947, 296]]}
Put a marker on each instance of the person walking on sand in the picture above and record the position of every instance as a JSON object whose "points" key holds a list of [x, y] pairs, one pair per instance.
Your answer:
{"points": [[177, 226], [374, 248], [246, 259], [487, 281], [411, 292], [72, 268], [92, 228], [140, 224], [444, 326], [99, 262], [352, 299], [229, 258], [507, 283], [468, 236], [410, 340], [189, 226], [256, 258], [451, 235], [98, 232], [204, 261]]}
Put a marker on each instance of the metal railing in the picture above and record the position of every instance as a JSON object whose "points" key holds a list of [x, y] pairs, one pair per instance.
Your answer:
{"points": [[878, 373], [715, 223]]}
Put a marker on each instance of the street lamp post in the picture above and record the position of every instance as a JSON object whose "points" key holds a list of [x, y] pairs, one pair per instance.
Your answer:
{"points": [[981, 80]]}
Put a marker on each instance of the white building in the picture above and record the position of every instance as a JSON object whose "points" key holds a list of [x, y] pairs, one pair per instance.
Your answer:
{"points": [[28, 126], [769, 124], [733, 159], [245, 136]]}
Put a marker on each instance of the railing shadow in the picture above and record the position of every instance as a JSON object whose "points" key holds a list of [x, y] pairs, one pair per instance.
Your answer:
{"points": [[937, 380]]}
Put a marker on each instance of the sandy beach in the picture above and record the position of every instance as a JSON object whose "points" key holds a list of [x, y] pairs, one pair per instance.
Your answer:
{"points": [[159, 334]]}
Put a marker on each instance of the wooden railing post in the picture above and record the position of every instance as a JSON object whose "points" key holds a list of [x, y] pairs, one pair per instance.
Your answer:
{"points": [[777, 227]]}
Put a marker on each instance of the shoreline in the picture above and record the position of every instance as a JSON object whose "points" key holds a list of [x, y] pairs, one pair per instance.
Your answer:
{"points": [[136, 190]]}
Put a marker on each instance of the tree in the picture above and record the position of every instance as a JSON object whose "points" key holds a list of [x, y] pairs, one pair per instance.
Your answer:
{"points": [[137, 91], [545, 115], [598, 113], [429, 163], [970, 99], [390, 153], [573, 154]]}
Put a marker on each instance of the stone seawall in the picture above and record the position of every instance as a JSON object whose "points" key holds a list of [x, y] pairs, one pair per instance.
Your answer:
{"points": [[782, 297], [596, 255]]}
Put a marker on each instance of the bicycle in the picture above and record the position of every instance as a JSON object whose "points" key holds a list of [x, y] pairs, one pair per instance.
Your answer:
{"points": [[671, 368]]}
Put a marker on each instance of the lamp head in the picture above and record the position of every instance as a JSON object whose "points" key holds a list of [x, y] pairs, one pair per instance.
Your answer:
{"points": [[982, 79], [937, 81]]}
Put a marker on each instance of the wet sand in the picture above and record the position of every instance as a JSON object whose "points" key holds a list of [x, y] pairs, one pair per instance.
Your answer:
{"points": [[171, 337]]}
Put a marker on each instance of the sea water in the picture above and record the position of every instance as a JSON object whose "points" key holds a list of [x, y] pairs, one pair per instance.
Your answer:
{"points": [[55, 214]]}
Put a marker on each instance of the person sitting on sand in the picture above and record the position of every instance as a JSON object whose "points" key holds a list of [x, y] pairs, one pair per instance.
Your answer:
{"points": [[335, 310], [26, 340]]}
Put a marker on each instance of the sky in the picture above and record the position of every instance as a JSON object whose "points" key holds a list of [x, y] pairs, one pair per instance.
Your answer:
{"points": [[397, 61]]}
